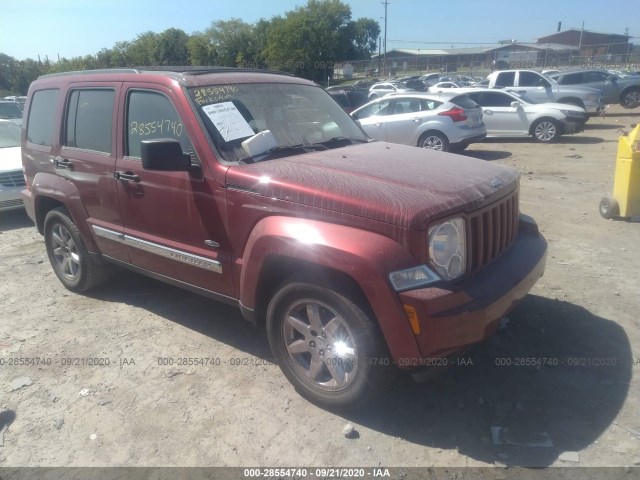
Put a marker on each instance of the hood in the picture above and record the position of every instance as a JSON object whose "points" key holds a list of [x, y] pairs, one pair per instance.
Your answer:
{"points": [[10, 159], [397, 184]]}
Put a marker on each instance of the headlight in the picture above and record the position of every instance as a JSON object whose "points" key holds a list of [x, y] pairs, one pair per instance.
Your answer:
{"points": [[593, 97], [447, 248], [571, 113]]}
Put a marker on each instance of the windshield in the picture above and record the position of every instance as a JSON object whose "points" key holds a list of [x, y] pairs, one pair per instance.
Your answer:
{"points": [[249, 122], [9, 135], [10, 110]]}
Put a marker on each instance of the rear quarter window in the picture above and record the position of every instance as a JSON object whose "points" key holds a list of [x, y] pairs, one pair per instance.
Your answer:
{"points": [[463, 101], [41, 120]]}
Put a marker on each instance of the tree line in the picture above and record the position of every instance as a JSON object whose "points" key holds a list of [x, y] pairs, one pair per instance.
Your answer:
{"points": [[308, 42]]}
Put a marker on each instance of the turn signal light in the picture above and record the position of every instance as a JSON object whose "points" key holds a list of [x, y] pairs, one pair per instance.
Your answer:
{"points": [[412, 315]]}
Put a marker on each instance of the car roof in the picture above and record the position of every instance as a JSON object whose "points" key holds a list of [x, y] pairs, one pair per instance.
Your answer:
{"points": [[443, 96], [187, 76]]}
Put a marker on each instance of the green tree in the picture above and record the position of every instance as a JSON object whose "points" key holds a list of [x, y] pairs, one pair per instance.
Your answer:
{"points": [[201, 51], [143, 51], [235, 42], [310, 40], [172, 48]]}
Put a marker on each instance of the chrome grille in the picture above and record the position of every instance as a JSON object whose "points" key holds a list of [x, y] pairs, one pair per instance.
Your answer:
{"points": [[17, 202], [14, 178], [492, 230]]}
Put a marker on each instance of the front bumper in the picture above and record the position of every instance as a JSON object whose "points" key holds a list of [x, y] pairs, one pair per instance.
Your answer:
{"points": [[452, 318], [573, 124], [10, 198], [593, 109]]}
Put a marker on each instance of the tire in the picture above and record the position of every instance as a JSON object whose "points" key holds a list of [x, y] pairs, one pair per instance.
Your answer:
{"points": [[67, 254], [608, 208], [458, 147], [434, 141], [304, 323], [630, 98], [545, 130]]}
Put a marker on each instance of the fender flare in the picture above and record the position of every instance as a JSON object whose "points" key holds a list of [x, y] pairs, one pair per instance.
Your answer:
{"points": [[49, 186], [364, 256]]}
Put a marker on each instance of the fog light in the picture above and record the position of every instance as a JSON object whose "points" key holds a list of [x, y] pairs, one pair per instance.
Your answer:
{"points": [[415, 277]]}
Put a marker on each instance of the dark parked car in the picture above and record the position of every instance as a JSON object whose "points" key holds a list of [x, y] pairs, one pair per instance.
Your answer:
{"points": [[617, 89], [350, 99], [414, 84], [258, 190], [12, 111]]}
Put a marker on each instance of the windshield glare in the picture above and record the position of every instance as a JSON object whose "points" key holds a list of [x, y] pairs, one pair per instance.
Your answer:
{"points": [[9, 135], [288, 115]]}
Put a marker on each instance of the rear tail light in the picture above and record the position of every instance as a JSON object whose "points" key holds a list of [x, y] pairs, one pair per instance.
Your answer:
{"points": [[457, 114]]}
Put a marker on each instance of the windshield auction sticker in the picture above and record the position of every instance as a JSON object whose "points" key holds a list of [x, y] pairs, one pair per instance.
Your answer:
{"points": [[228, 120]]}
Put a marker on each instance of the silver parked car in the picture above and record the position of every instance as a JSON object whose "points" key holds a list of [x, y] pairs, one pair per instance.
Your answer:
{"points": [[507, 114], [384, 88], [11, 173], [436, 122], [617, 89]]}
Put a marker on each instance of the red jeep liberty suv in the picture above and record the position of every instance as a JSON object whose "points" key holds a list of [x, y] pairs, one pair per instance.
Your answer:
{"points": [[258, 190]]}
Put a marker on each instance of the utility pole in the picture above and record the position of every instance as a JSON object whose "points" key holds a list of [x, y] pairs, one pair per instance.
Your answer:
{"points": [[384, 64], [580, 42]]}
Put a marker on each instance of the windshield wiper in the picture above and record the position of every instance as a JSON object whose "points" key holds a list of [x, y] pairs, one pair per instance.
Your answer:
{"points": [[284, 150]]}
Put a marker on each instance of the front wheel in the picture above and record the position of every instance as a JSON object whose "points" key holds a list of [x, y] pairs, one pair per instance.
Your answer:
{"points": [[67, 254], [630, 98], [326, 345], [434, 141], [546, 130]]}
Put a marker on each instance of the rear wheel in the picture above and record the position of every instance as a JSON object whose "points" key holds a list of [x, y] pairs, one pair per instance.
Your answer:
{"points": [[67, 254], [434, 141], [327, 346], [630, 98], [546, 130]]}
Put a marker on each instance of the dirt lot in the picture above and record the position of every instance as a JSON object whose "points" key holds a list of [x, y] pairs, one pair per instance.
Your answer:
{"points": [[583, 407]]}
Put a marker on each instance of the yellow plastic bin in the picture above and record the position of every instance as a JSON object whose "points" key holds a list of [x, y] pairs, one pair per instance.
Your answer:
{"points": [[625, 201]]}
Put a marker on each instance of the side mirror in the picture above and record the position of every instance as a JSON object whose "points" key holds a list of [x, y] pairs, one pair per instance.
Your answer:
{"points": [[516, 105], [165, 155]]}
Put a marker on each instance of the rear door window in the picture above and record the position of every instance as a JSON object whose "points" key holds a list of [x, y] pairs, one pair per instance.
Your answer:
{"points": [[506, 79], [89, 119], [42, 117]]}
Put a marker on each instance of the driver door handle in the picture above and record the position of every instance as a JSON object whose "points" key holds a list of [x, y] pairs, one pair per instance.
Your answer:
{"points": [[126, 176], [64, 163]]}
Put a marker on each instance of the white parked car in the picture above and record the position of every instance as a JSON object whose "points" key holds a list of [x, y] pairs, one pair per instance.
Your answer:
{"points": [[441, 86], [429, 121], [381, 89], [11, 173], [510, 115]]}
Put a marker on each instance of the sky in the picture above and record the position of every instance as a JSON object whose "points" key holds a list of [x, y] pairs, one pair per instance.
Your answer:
{"points": [[70, 28]]}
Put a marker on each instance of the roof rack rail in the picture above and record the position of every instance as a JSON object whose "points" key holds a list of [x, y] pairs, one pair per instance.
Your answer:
{"points": [[184, 70], [202, 70], [89, 72]]}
